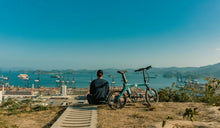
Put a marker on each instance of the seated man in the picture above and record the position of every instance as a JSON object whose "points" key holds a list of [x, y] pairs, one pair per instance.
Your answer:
{"points": [[99, 90]]}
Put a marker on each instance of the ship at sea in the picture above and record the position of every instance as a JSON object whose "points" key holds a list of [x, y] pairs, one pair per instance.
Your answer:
{"points": [[4, 80], [182, 82]]}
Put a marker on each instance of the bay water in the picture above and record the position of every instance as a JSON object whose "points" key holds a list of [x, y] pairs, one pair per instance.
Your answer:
{"points": [[82, 80]]}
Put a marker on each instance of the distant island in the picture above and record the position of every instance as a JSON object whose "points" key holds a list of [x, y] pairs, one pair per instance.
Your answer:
{"points": [[171, 72], [193, 72]]}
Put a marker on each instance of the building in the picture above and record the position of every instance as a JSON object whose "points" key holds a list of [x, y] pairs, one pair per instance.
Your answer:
{"points": [[63, 90], [18, 92], [0, 97]]}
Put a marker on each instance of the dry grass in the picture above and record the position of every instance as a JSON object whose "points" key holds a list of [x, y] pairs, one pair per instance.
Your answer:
{"points": [[27, 120], [139, 116], [132, 116]]}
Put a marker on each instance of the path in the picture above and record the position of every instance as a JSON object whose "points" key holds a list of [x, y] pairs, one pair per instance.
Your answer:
{"points": [[83, 116]]}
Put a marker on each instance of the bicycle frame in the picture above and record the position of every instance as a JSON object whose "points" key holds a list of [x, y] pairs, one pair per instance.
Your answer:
{"points": [[127, 87]]}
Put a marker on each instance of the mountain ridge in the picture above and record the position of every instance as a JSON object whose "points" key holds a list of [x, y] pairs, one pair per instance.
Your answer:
{"points": [[168, 72]]}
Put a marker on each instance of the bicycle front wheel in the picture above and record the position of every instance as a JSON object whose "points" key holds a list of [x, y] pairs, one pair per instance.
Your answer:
{"points": [[114, 102], [152, 96]]}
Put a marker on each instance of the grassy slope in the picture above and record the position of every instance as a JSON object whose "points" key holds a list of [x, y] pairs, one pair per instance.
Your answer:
{"points": [[138, 115], [27, 120]]}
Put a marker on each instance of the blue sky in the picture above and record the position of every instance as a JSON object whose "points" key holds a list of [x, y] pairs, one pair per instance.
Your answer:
{"points": [[85, 34]]}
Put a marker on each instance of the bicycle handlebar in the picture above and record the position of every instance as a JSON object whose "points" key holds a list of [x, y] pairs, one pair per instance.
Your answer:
{"points": [[141, 69]]}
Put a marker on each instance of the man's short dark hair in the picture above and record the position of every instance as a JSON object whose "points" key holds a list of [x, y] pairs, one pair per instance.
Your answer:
{"points": [[99, 73]]}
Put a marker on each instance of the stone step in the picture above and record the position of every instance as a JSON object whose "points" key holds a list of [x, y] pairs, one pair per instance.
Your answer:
{"points": [[76, 123], [75, 126], [77, 117], [79, 114]]}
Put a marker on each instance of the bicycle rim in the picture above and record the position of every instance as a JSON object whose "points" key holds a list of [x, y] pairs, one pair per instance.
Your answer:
{"points": [[152, 97], [114, 102]]}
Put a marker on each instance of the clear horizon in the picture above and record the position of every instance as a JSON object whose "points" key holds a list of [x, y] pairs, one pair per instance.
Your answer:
{"points": [[108, 34], [93, 69]]}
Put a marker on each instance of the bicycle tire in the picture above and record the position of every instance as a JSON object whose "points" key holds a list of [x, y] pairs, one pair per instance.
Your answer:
{"points": [[152, 98], [114, 103]]}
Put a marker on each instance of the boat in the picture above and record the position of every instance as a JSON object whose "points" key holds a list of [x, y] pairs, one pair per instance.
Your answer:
{"points": [[55, 76]]}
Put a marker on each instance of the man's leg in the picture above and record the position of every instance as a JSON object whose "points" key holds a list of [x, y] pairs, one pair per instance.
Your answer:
{"points": [[89, 98]]}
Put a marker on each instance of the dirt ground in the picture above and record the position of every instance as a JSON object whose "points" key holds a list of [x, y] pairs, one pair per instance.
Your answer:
{"points": [[132, 116], [139, 116], [39, 119]]}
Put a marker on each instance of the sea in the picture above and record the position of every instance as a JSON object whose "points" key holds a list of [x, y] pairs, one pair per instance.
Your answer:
{"points": [[82, 80]]}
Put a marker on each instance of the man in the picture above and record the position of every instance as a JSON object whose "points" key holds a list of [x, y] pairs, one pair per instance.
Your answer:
{"points": [[99, 90]]}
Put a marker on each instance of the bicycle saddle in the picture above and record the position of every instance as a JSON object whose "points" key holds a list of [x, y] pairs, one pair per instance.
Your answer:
{"points": [[122, 72]]}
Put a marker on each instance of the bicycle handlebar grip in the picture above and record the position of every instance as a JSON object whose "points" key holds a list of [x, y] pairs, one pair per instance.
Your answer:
{"points": [[149, 67], [141, 69], [136, 70]]}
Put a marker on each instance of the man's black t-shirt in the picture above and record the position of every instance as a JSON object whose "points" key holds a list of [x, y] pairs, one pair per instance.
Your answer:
{"points": [[99, 89]]}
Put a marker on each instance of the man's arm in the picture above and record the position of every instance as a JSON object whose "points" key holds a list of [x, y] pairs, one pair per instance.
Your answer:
{"points": [[107, 88], [92, 88]]}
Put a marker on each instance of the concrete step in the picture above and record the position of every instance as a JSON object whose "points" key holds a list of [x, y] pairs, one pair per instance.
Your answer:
{"points": [[77, 117]]}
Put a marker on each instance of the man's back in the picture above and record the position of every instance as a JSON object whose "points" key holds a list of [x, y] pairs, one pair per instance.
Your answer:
{"points": [[99, 89]]}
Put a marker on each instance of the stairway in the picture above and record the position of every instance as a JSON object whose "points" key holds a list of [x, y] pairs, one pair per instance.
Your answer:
{"points": [[77, 117]]}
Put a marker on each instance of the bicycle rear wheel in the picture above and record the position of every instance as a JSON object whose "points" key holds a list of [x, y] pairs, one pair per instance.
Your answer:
{"points": [[114, 102], [152, 96]]}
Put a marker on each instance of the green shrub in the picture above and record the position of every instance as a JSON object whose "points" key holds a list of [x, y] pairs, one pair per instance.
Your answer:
{"points": [[10, 102], [189, 94], [14, 107], [173, 95], [210, 96], [189, 113], [40, 108]]}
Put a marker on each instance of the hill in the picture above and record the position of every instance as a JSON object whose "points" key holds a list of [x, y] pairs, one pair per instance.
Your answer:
{"points": [[193, 72], [171, 72]]}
